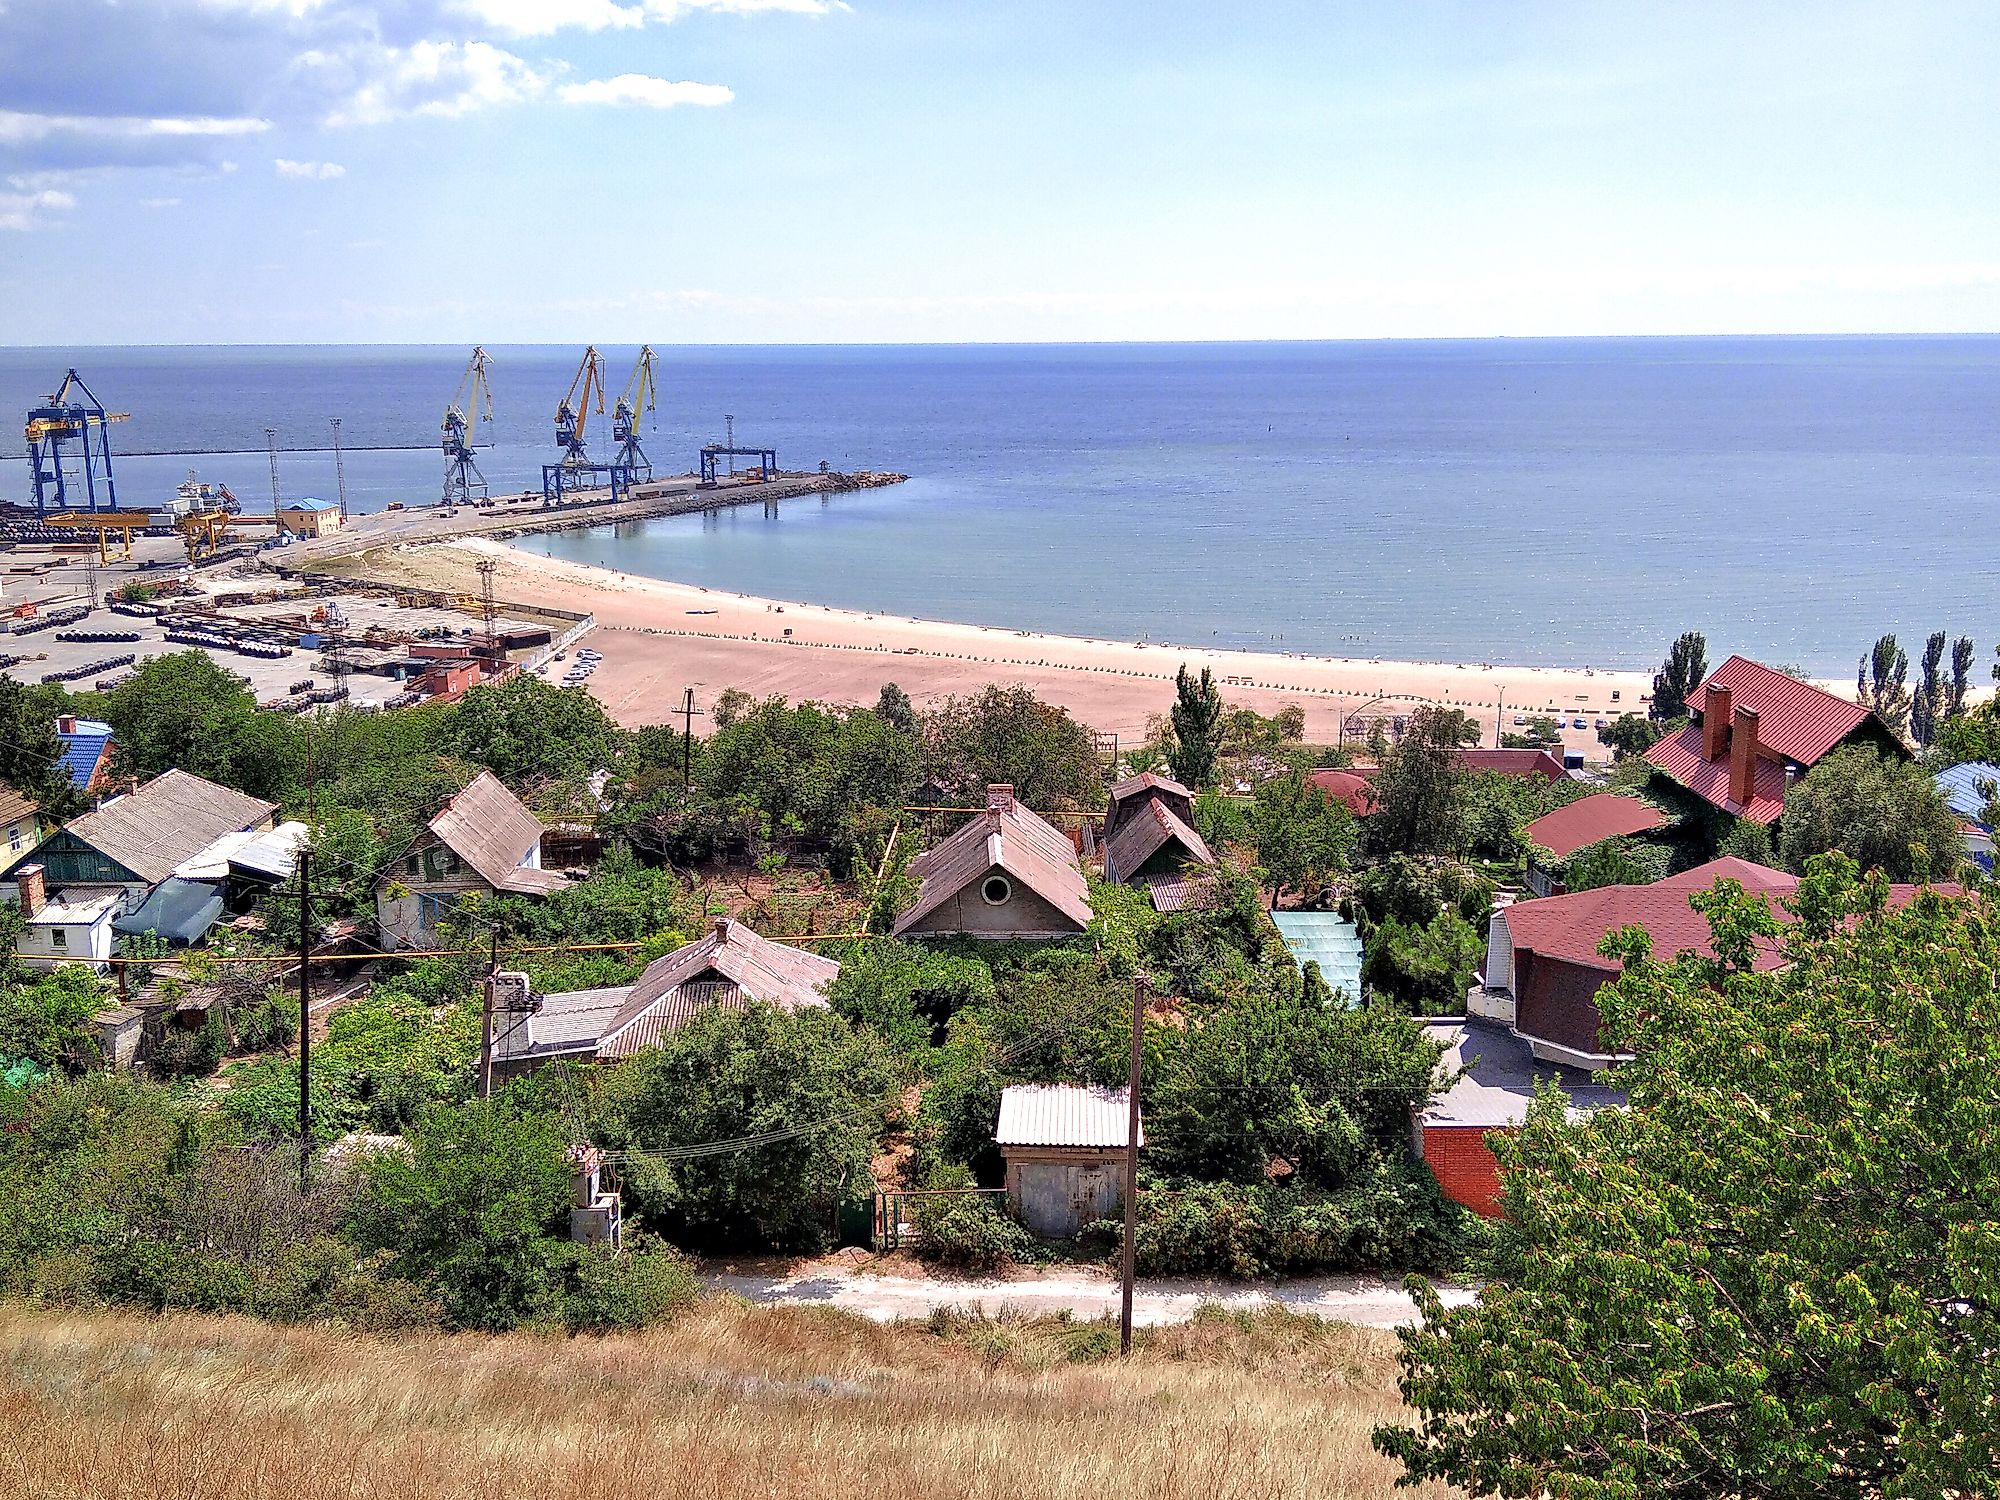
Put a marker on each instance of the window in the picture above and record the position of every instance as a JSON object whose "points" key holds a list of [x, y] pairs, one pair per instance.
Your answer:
{"points": [[997, 890], [58, 937], [412, 866], [14, 837], [433, 907]]}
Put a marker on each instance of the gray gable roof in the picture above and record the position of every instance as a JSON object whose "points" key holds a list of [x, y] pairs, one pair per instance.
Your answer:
{"points": [[169, 820]]}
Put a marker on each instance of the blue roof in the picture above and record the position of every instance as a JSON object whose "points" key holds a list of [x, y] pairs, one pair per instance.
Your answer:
{"points": [[311, 505], [1960, 785], [1328, 939], [83, 749]]}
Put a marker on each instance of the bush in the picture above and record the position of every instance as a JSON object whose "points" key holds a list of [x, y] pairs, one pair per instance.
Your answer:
{"points": [[906, 992], [192, 1053], [609, 1292], [267, 1025], [967, 1231]]}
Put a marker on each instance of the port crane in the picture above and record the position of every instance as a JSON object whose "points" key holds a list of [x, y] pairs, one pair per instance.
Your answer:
{"points": [[573, 414], [460, 431], [71, 414], [640, 397]]}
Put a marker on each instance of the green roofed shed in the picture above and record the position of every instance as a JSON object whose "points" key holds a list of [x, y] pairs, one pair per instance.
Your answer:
{"points": [[1327, 939]]}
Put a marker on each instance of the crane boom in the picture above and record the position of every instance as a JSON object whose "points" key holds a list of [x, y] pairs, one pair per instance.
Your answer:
{"points": [[640, 396], [573, 414], [460, 431]]}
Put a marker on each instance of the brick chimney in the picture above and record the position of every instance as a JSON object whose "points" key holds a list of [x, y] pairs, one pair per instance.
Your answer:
{"points": [[720, 927], [1000, 797], [1715, 723], [34, 889], [1743, 757], [66, 724]]}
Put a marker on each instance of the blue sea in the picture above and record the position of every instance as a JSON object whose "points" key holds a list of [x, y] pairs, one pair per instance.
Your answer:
{"points": [[1564, 501]]}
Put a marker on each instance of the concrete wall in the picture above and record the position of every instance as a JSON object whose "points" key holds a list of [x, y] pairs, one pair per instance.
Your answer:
{"points": [[1059, 1191], [1023, 915], [89, 943]]}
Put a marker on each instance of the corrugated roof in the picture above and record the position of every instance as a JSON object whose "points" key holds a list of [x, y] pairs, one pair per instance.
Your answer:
{"points": [[1585, 821], [1794, 719], [1146, 781], [1960, 785], [748, 967], [169, 819], [489, 828], [1514, 763], [1183, 890], [567, 1023], [271, 856], [1328, 939], [83, 748], [1680, 756], [1150, 828], [311, 505], [1065, 1114], [1352, 789], [1014, 839], [13, 805]]}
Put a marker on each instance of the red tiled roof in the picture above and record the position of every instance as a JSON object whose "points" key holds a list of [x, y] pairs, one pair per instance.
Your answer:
{"points": [[1355, 790], [1794, 719], [1679, 755], [1585, 821], [1514, 763], [1570, 927]]}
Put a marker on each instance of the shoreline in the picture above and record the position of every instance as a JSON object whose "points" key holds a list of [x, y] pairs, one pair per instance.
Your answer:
{"points": [[658, 636]]}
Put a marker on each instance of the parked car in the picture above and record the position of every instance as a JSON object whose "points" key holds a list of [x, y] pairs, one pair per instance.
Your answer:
{"points": [[1578, 724]]}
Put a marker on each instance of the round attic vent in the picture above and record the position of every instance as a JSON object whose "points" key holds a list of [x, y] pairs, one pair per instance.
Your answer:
{"points": [[997, 890]]}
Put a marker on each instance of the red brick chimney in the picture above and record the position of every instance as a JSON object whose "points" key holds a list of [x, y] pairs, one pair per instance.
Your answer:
{"points": [[34, 889], [1743, 757], [66, 724], [1000, 797], [1715, 723]]}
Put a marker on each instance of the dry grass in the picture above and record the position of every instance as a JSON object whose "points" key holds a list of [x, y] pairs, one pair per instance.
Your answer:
{"points": [[730, 1401]]}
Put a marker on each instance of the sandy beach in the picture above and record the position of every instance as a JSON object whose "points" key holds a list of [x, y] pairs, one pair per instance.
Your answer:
{"points": [[658, 638]]}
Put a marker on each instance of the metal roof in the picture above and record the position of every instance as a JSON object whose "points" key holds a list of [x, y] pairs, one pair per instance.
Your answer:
{"points": [[1680, 756], [1183, 890], [1514, 763], [1794, 719], [170, 819], [1589, 819], [83, 748], [311, 505], [490, 828], [730, 965], [1327, 939], [181, 911], [1960, 785], [1148, 830], [1147, 781], [1065, 1114], [1009, 837]]}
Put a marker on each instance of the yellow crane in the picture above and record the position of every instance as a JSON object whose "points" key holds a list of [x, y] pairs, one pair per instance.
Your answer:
{"points": [[641, 396], [573, 415]]}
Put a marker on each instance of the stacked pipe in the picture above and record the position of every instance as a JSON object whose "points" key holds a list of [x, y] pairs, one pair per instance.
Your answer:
{"points": [[97, 637], [75, 673]]}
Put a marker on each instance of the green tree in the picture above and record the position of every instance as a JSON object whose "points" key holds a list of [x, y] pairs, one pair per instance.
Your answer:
{"points": [[1751, 841], [1883, 811], [1423, 967], [1197, 720], [894, 708], [31, 752], [1961, 677], [1881, 683], [185, 711], [1007, 734], [1631, 734], [470, 1208], [524, 729], [734, 1074], [1774, 1273], [1420, 789], [1615, 861], [1680, 674], [1973, 736], [45, 1017], [1927, 704], [906, 992], [1303, 837]]}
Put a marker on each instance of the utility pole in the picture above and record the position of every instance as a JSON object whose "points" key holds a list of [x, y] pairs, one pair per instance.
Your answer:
{"points": [[687, 741], [1499, 718], [1129, 1258], [486, 1022], [271, 447], [339, 468], [305, 1021]]}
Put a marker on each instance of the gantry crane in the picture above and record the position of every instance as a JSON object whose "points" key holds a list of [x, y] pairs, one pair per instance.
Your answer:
{"points": [[573, 415], [474, 401], [71, 413], [640, 396]]}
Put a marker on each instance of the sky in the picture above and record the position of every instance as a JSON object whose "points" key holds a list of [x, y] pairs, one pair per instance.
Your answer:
{"points": [[841, 171]]}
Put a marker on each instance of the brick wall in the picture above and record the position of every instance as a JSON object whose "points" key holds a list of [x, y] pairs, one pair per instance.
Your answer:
{"points": [[1464, 1166], [1556, 1000]]}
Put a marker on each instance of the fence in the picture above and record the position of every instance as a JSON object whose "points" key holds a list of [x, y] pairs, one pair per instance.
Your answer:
{"points": [[893, 1225]]}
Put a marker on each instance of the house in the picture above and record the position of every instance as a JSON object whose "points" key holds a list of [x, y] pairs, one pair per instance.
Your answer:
{"points": [[1965, 789], [730, 966], [1755, 731], [309, 518], [1006, 874], [1353, 790], [22, 821], [483, 841], [86, 753], [73, 927], [136, 841], [1149, 834], [1578, 825], [1064, 1146], [1543, 970], [1513, 763], [1497, 1073]]}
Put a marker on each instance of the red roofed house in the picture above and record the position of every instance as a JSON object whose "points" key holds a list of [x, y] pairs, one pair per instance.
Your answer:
{"points": [[1354, 790], [1584, 822], [1149, 831], [1755, 731], [1006, 874], [729, 966], [1543, 970], [1514, 763]]}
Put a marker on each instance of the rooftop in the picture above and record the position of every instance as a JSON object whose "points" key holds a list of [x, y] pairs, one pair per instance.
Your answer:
{"points": [[1514, 763], [1589, 819], [84, 744], [1019, 841], [1327, 939], [1500, 1076], [1961, 788], [1355, 790], [170, 819], [1065, 1114], [731, 965], [1144, 835], [492, 830], [78, 905]]}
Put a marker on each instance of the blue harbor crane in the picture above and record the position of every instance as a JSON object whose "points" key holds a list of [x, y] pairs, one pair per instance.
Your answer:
{"points": [[474, 401], [574, 477], [640, 397], [72, 414]]}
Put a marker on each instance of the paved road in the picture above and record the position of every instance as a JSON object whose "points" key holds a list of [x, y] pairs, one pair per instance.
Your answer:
{"points": [[1362, 1300]]}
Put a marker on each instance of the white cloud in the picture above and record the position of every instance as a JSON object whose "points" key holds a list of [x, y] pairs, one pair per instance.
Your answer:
{"points": [[314, 170], [159, 203], [376, 82], [19, 211], [542, 17], [673, 10], [638, 89], [17, 127]]}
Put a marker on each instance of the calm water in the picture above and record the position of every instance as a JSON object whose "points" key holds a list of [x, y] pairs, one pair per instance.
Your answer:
{"points": [[1498, 500]]}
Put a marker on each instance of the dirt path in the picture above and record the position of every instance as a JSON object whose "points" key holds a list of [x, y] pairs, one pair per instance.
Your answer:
{"points": [[1365, 1301]]}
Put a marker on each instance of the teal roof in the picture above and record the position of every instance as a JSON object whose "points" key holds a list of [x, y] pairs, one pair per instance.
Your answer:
{"points": [[1327, 939], [310, 505]]}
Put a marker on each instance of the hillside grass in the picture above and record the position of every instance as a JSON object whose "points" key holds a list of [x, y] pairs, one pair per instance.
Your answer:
{"points": [[729, 1402]]}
